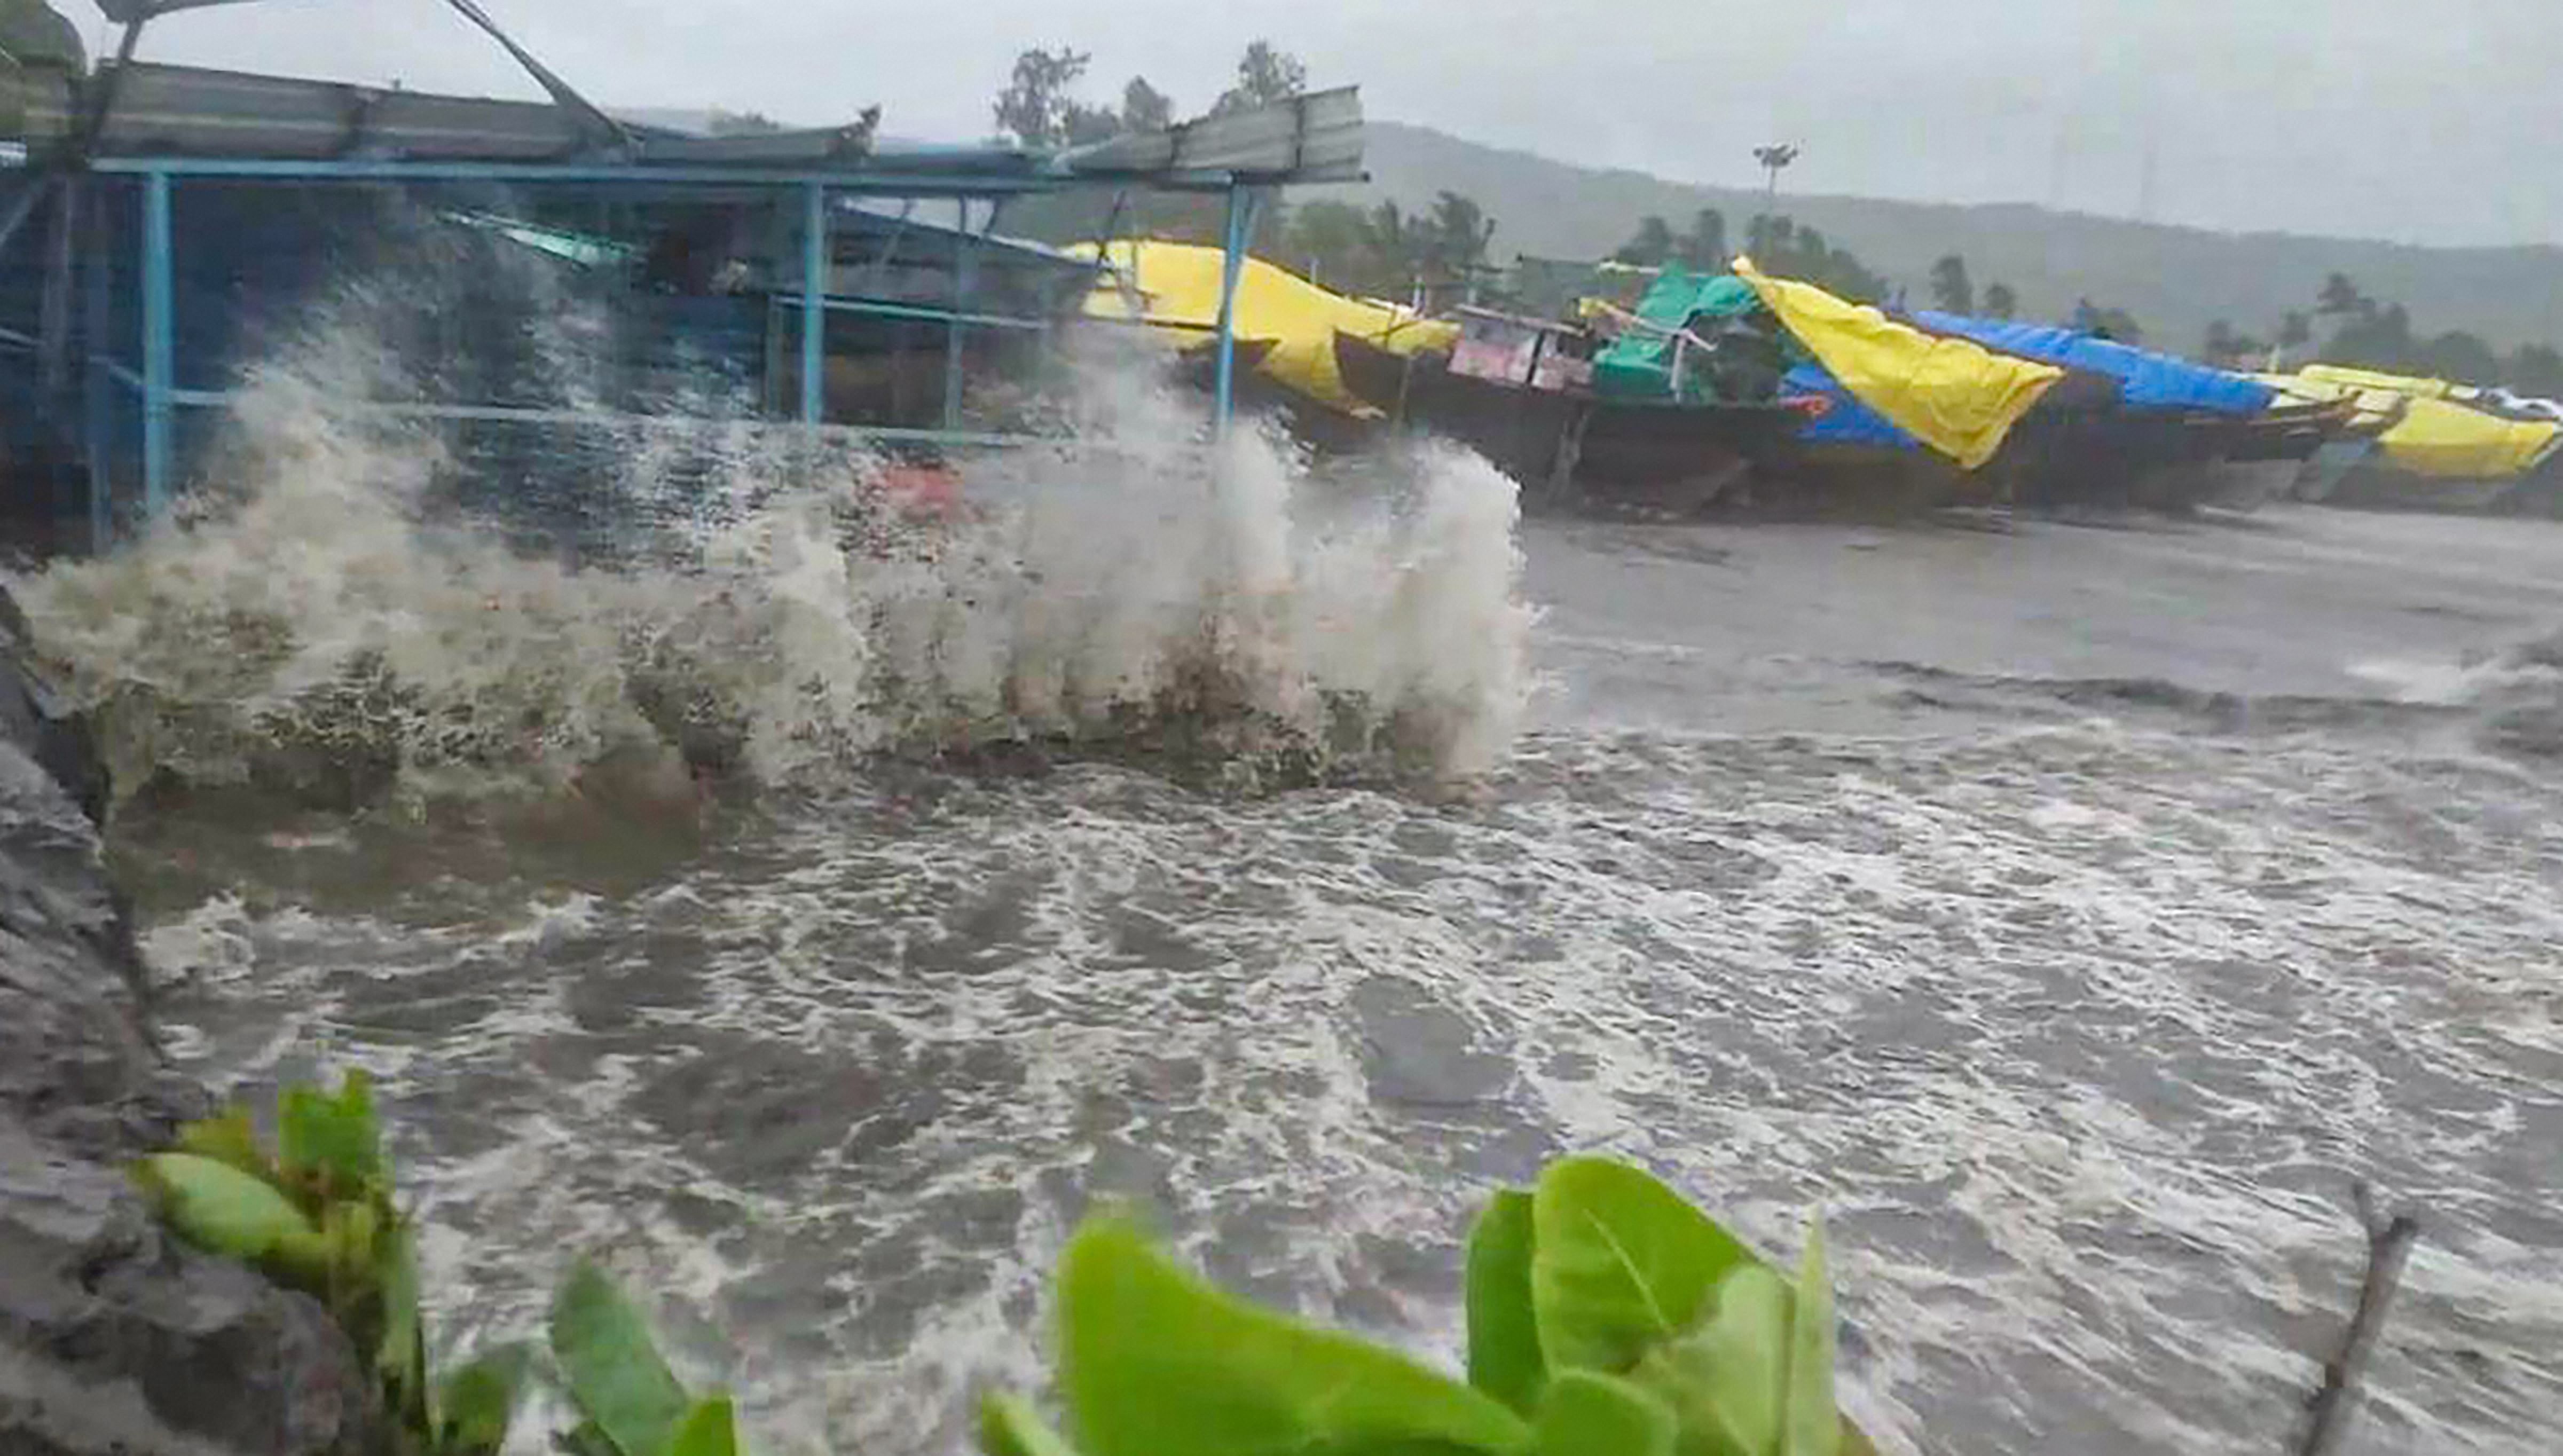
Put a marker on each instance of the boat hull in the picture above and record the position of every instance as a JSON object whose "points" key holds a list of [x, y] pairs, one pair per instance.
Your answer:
{"points": [[2374, 488], [1551, 441]]}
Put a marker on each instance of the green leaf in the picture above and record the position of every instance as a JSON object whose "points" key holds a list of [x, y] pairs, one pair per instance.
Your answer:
{"points": [[1726, 1379], [710, 1429], [218, 1207], [1813, 1425], [1503, 1331], [1586, 1414], [229, 1138], [586, 1438], [1009, 1426], [1158, 1362], [1619, 1264], [333, 1141], [612, 1365], [400, 1360], [477, 1402]]}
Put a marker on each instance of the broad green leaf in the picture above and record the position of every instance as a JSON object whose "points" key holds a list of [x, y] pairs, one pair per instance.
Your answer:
{"points": [[612, 1365], [1726, 1381], [1619, 1264], [1587, 1413], [1813, 1425], [229, 1138], [1009, 1426], [586, 1438], [477, 1402], [710, 1429], [218, 1207], [332, 1140], [1504, 1332], [401, 1358], [1158, 1362]]}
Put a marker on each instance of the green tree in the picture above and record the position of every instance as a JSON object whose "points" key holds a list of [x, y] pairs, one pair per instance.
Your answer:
{"points": [[1144, 108], [1704, 249], [2535, 369], [1331, 241], [1264, 75], [1951, 290], [2112, 324], [2000, 302], [1792, 251], [2225, 344], [2375, 337], [2295, 330], [1080, 124], [1398, 245], [1035, 108], [2460, 356], [1652, 245], [2341, 297], [1461, 232], [1770, 237]]}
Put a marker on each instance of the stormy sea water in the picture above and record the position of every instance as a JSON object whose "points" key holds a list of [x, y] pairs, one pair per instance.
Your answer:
{"points": [[812, 912]]}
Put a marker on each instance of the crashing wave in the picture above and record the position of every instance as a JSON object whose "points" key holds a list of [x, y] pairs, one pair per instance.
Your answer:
{"points": [[344, 611]]}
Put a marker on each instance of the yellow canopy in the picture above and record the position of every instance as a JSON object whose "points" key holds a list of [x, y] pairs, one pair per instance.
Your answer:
{"points": [[2376, 406], [2412, 384], [1177, 285], [2434, 435], [2452, 442], [1958, 397]]}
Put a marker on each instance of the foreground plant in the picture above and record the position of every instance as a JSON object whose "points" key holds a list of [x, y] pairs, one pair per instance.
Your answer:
{"points": [[1606, 1316], [317, 1214], [629, 1401]]}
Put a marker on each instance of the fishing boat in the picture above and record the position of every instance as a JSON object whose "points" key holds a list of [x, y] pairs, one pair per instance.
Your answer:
{"points": [[1520, 392], [2420, 443], [2136, 427]]}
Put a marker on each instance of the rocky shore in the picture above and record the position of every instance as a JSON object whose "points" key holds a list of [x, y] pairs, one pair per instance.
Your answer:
{"points": [[115, 1338]]}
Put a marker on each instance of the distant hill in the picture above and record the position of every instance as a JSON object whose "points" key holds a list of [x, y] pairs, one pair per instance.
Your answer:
{"points": [[2175, 281]]}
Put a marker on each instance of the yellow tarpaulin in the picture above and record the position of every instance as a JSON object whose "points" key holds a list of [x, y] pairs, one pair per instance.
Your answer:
{"points": [[1177, 287], [2434, 436], [1958, 397], [2451, 442], [2411, 384], [2376, 406]]}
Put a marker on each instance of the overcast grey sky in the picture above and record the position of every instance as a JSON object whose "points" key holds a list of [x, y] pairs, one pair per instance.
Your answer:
{"points": [[2426, 121]]}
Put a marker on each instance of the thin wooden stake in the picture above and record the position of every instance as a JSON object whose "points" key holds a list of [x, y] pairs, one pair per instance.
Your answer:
{"points": [[2389, 1243]]}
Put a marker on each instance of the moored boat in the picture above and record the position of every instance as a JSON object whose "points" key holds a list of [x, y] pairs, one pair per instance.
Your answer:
{"points": [[1513, 389]]}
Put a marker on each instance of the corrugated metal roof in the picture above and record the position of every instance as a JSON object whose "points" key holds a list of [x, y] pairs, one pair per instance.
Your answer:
{"points": [[194, 112], [187, 111], [1315, 137]]}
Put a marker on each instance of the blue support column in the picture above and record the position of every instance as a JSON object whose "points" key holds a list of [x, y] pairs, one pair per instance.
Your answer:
{"points": [[814, 302], [157, 343], [965, 275], [97, 438], [1241, 226]]}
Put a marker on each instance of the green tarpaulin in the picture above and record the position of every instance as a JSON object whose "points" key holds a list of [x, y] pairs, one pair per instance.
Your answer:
{"points": [[1640, 364]]}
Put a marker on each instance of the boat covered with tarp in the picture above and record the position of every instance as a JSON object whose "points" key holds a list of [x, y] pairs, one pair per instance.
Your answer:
{"points": [[1523, 393], [2170, 432], [2432, 444], [1954, 397]]}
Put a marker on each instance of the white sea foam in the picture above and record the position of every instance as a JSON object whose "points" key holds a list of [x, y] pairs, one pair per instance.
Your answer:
{"points": [[760, 601]]}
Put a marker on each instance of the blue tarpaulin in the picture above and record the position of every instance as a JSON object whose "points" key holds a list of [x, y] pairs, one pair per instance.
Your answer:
{"points": [[1844, 419], [2146, 380]]}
